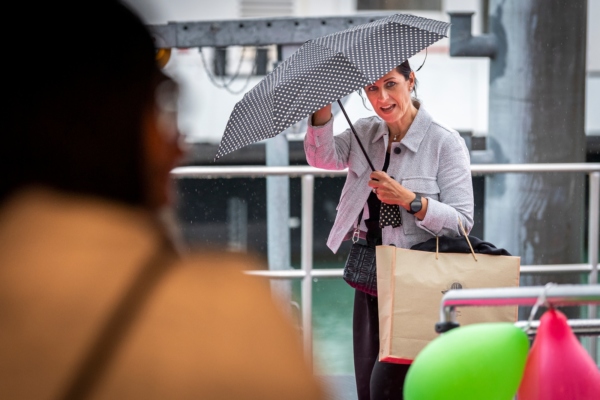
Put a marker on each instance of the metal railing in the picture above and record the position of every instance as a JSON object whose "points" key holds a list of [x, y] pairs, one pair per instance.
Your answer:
{"points": [[307, 175], [551, 296]]}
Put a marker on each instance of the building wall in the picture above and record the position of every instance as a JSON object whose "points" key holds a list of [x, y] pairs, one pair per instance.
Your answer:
{"points": [[455, 90]]}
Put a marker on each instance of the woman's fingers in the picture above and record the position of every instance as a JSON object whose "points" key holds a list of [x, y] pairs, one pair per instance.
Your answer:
{"points": [[380, 179], [387, 189], [374, 183], [322, 116], [377, 179], [378, 175]]}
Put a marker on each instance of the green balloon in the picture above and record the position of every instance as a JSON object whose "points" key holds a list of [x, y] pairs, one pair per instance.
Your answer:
{"points": [[474, 362]]}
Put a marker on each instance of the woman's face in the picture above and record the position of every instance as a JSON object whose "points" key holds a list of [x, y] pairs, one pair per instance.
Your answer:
{"points": [[390, 96]]}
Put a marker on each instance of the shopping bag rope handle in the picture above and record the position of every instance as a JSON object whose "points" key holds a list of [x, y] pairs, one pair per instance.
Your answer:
{"points": [[467, 237], [437, 241]]}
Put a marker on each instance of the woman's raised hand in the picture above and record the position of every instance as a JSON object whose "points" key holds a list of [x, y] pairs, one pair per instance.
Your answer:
{"points": [[322, 116]]}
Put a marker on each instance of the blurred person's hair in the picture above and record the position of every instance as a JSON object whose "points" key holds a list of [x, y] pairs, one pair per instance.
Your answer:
{"points": [[79, 80]]}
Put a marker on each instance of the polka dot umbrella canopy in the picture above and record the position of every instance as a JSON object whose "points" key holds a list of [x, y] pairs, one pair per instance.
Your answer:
{"points": [[324, 70]]}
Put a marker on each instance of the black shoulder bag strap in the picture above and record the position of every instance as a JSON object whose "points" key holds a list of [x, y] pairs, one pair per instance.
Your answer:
{"points": [[105, 345]]}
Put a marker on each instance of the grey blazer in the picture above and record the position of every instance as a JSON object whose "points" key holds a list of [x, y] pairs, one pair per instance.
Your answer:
{"points": [[434, 162]]}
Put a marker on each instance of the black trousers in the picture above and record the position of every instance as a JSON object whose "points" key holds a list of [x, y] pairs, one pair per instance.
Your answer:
{"points": [[374, 380]]}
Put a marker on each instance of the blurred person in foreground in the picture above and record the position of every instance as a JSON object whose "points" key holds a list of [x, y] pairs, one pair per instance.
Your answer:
{"points": [[94, 301]]}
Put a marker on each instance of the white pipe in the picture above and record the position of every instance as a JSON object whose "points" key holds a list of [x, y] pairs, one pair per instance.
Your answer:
{"points": [[581, 327], [308, 186], [338, 272], [594, 225], [524, 296], [593, 234], [296, 171], [542, 167]]}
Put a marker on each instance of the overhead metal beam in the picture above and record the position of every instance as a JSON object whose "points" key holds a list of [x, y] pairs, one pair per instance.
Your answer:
{"points": [[254, 31], [464, 44]]}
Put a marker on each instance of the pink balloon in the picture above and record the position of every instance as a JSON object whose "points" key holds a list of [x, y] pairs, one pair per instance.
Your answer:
{"points": [[558, 367]]}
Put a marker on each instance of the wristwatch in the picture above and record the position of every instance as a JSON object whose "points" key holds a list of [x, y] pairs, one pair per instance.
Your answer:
{"points": [[415, 205]]}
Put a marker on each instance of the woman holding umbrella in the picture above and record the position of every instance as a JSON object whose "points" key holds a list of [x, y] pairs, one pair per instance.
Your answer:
{"points": [[421, 188]]}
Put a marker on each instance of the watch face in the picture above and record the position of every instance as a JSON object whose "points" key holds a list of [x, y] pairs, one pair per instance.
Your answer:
{"points": [[416, 205]]}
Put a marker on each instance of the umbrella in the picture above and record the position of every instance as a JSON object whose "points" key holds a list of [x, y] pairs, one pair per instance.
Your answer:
{"points": [[324, 70]]}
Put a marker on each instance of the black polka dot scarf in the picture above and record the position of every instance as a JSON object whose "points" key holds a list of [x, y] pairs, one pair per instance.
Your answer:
{"points": [[390, 215]]}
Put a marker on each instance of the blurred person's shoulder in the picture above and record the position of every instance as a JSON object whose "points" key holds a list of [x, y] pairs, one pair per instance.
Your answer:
{"points": [[219, 277], [210, 330]]}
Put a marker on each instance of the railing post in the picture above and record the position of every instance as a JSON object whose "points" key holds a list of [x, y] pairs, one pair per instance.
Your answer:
{"points": [[593, 235], [278, 217], [308, 186]]}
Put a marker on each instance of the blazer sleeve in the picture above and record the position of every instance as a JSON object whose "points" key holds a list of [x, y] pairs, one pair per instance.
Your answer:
{"points": [[456, 191], [323, 149]]}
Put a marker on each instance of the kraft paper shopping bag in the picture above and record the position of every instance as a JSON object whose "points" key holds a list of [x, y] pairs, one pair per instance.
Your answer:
{"points": [[411, 284]]}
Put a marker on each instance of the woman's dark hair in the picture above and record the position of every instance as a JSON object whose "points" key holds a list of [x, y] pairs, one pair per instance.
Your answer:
{"points": [[404, 69], [77, 92]]}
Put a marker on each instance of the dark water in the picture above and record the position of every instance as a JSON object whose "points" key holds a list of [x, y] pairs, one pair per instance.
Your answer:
{"points": [[332, 323]]}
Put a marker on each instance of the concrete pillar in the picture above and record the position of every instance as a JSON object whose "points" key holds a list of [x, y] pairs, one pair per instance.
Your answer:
{"points": [[537, 99]]}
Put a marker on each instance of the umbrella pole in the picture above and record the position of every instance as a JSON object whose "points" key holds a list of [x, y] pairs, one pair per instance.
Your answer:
{"points": [[356, 136]]}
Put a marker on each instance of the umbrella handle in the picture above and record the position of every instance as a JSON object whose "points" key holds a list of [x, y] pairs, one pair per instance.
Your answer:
{"points": [[356, 135]]}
